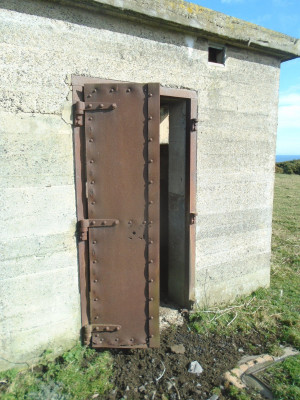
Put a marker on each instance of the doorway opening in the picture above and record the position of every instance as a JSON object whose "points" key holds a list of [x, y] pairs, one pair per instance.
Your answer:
{"points": [[176, 280]]}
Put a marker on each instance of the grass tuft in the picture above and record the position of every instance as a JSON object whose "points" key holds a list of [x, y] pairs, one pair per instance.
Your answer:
{"points": [[284, 379], [77, 374]]}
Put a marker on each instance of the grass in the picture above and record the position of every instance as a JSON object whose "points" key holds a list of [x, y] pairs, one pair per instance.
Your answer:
{"points": [[76, 375], [284, 379], [274, 311]]}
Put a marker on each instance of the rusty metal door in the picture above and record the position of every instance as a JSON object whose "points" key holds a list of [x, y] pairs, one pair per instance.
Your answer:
{"points": [[121, 140]]}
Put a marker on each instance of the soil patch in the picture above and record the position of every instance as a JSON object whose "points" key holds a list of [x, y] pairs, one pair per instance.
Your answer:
{"points": [[163, 374]]}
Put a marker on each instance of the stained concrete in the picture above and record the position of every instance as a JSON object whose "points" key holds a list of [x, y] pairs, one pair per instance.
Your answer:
{"points": [[43, 44]]}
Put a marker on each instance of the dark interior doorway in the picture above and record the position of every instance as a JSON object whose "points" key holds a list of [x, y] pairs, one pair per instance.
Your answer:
{"points": [[174, 189]]}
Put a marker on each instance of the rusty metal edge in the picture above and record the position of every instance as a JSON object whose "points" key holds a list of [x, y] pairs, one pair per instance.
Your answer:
{"points": [[178, 93], [153, 211], [164, 90], [192, 138], [77, 95]]}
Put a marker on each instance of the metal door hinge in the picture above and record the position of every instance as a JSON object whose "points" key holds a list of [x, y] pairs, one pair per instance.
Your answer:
{"points": [[79, 112], [98, 328], [194, 124], [81, 107], [85, 224], [193, 218]]}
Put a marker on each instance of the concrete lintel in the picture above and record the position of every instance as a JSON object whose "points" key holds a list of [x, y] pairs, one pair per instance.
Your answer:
{"points": [[193, 19]]}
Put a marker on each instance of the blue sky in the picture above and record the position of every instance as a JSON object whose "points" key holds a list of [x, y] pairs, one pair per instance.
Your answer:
{"points": [[282, 16]]}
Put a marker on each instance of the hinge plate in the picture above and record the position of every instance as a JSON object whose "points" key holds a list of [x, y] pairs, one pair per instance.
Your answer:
{"points": [[81, 107], [98, 328], [85, 224]]}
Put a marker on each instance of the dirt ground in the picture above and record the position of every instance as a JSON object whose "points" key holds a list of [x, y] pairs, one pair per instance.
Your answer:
{"points": [[163, 374]]}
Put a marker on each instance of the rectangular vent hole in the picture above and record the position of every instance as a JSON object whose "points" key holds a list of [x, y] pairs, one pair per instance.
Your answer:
{"points": [[216, 55]]}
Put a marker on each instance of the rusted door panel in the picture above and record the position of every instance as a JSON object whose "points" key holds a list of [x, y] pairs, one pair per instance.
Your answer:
{"points": [[122, 174]]}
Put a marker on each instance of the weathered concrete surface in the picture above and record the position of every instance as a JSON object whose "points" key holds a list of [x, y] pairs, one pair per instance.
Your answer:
{"points": [[42, 46], [185, 16]]}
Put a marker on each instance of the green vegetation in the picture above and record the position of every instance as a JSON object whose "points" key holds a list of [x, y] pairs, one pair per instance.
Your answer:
{"points": [[284, 379], [288, 167], [273, 312], [76, 375]]}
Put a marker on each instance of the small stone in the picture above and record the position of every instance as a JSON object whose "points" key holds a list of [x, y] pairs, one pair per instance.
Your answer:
{"points": [[177, 349], [142, 389], [127, 389], [241, 350], [195, 368], [198, 385], [95, 396], [214, 397]]}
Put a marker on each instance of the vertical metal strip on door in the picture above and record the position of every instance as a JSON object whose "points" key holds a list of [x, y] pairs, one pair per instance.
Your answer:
{"points": [[192, 196], [122, 184], [153, 211]]}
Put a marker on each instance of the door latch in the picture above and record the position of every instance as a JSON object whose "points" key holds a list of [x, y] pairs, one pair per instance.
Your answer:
{"points": [[193, 218], [194, 124]]}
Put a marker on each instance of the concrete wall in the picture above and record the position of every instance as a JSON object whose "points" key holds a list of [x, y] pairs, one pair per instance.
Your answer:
{"points": [[42, 45]]}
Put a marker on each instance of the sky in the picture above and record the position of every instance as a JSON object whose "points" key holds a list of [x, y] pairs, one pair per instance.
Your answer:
{"points": [[282, 16]]}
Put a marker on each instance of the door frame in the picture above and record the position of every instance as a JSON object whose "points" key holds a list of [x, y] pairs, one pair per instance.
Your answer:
{"points": [[191, 98]]}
